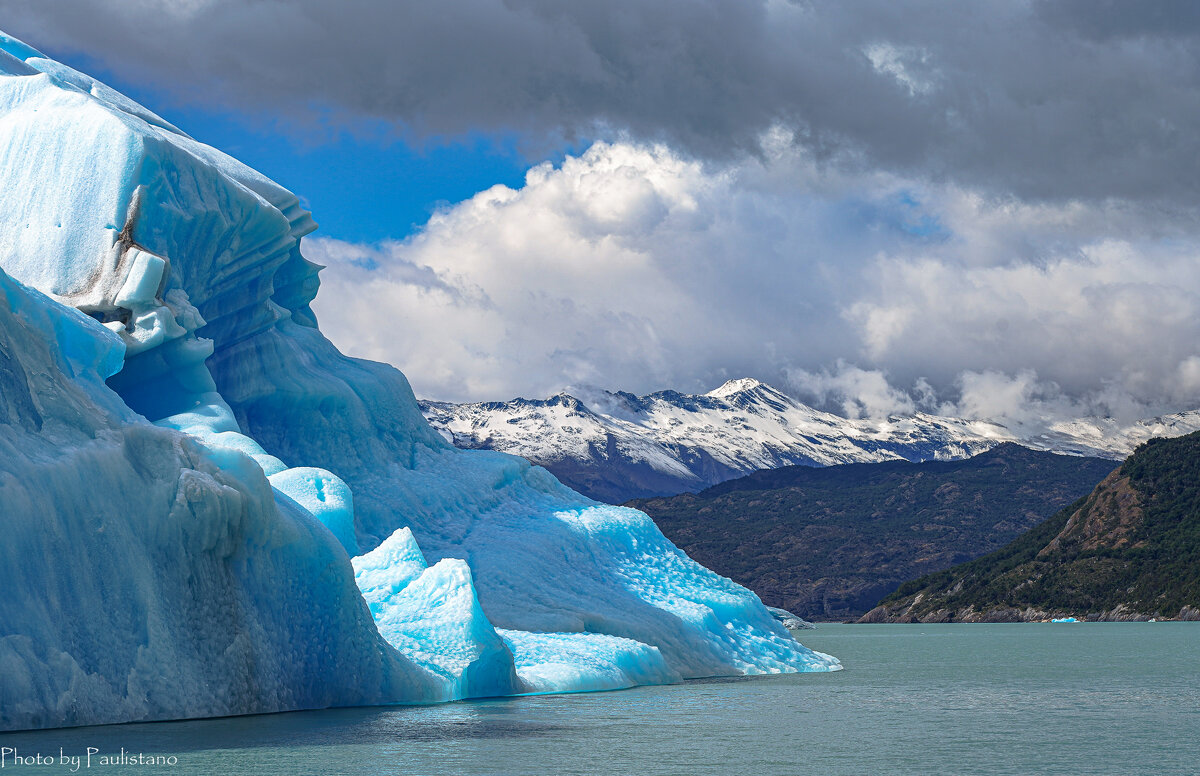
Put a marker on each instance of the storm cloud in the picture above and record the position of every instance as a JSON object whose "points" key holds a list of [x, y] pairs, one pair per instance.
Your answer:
{"points": [[1074, 100]]}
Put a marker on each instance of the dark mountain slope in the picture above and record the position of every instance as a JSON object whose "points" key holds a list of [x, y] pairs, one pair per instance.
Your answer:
{"points": [[828, 543], [1129, 550]]}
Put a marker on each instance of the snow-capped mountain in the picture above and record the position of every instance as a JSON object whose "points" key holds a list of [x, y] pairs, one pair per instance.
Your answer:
{"points": [[617, 446]]}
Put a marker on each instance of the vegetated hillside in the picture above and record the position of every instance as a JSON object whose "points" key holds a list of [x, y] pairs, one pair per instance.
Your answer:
{"points": [[828, 543], [1129, 550]]}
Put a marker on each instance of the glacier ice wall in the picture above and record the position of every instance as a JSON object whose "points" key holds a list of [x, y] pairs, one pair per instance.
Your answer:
{"points": [[188, 264], [141, 577]]}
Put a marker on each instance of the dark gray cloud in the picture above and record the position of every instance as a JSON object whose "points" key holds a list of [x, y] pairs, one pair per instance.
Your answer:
{"points": [[983, 208], [1059, 100], [1108, 20]]}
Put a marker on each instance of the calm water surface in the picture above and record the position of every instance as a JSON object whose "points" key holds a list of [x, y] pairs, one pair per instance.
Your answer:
{"points": [[1092, 698]]}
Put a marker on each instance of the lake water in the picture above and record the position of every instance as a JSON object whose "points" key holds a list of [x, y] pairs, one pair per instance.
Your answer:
{"points": [[1091, 698]]}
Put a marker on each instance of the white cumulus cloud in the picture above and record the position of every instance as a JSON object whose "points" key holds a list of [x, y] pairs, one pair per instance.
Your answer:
{"points": [[632, 267]]}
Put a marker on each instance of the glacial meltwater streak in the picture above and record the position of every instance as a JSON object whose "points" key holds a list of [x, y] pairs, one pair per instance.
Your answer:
{"points": [[1094, 698]]}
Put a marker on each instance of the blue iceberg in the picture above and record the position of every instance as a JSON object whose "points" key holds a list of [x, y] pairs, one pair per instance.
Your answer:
{"points": [[209, 510]]}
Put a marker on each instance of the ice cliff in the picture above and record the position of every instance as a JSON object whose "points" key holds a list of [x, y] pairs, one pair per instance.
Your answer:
{"points": [[207, 509]]}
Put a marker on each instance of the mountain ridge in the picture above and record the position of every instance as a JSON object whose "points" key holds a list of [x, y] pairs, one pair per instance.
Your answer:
{"points": [[616, 446]]}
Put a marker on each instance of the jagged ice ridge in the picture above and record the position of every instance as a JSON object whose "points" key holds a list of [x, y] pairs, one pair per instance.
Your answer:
{"points": [[209, 510]]}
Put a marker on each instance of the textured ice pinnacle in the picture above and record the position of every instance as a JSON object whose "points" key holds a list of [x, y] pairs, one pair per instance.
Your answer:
{"points": [[189, 466]]}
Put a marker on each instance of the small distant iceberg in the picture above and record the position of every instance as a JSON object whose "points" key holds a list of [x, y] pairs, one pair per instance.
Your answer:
{"points": [[789, 620], [1064, 619]]}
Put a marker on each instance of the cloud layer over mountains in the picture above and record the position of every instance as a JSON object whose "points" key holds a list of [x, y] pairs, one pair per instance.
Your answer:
{"points": [[631, 267], [985, 208]]}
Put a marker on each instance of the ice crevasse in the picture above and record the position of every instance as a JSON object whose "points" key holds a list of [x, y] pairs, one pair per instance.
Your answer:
{"points": [[207, 509]]}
